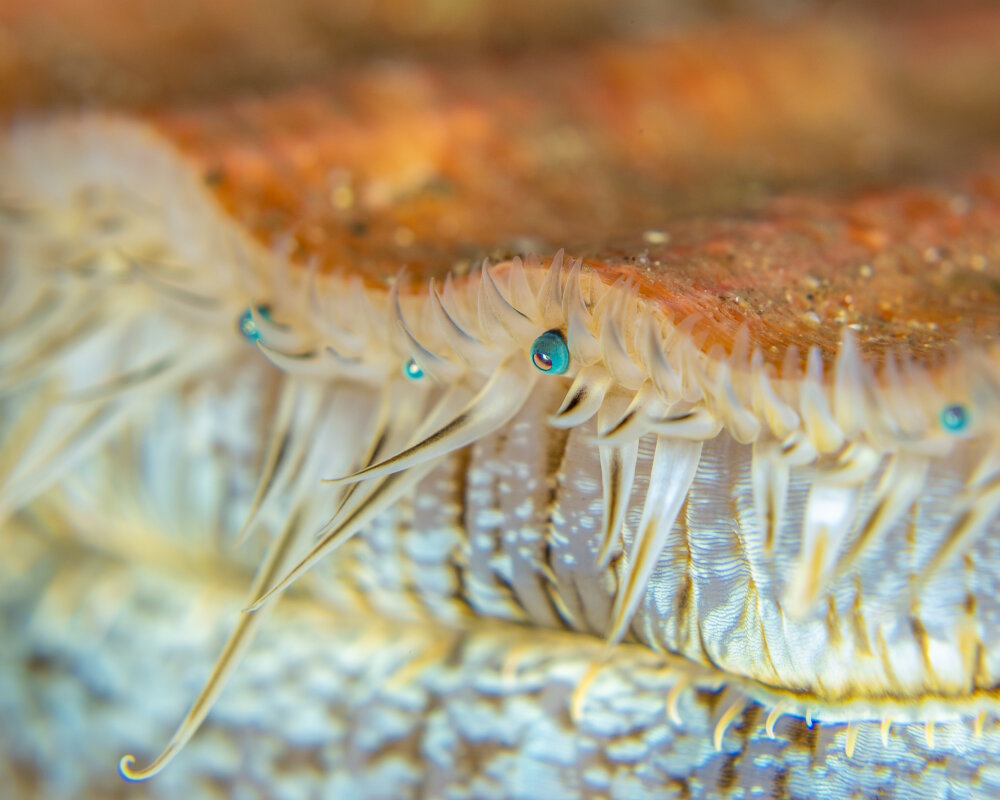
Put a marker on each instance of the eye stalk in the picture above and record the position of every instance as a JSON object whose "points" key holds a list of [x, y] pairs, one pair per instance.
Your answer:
{"points": [[411, 370], [247, 325], [549, 353], [954, 418]]}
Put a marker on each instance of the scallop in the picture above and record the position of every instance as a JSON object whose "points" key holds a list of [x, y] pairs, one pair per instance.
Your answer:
{"points": [[616, 414]]}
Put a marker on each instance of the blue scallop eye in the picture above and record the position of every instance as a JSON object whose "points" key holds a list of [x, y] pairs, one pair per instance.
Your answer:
{"points": [[247, 325], [954, 418], [411, 369], [550, 354]]}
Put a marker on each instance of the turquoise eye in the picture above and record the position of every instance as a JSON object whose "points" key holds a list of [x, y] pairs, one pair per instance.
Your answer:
{"points": [[550, 354], [247, 325], [411, 369], [954, 418]]}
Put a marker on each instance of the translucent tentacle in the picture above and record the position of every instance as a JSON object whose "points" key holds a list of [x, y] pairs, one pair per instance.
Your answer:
{"points": [[499, 400], [247, 625]]}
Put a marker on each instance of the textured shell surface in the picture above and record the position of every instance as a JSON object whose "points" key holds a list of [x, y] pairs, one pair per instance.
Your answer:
{"points": [[499, 400]]}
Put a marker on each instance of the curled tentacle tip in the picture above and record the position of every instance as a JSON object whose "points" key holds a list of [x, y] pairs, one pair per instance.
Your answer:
{"points": [[126, 768]]}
